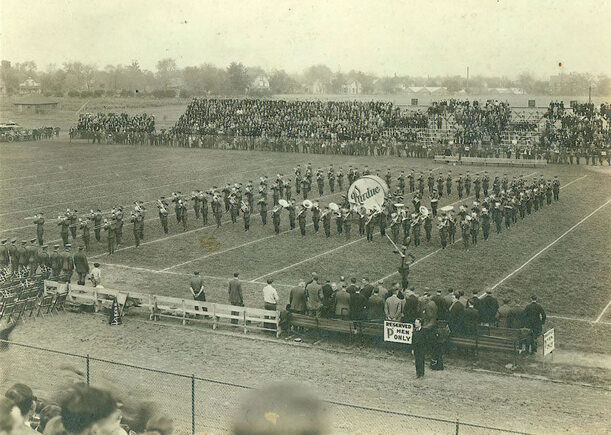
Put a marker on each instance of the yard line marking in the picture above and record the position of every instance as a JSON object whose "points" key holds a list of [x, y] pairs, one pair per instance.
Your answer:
{"points": [[600, 316], [219, 278], [549, 246], [568, 184], [574, 319], [311, 258]]}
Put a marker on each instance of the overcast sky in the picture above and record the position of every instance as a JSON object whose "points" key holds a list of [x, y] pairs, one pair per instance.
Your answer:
{"points": [[424, 37]]}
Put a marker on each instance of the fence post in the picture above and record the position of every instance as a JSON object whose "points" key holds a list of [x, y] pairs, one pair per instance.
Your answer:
{"points": [[192, 404], [87, 359], [457, 425]]}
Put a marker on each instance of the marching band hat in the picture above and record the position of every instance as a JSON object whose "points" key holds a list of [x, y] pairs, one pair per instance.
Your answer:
{"points": [[56, 246], [45, 246], [80, 248], [32, 240], [96, 264], [4, 241], [14, 240], [23, 242], [67, 245]]}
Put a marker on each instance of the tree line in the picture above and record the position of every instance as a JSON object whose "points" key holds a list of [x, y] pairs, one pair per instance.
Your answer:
{"points": [[168, 80]]}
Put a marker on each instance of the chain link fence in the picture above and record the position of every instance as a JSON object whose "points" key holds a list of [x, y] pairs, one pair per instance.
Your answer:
{"points": [[196, 405]]}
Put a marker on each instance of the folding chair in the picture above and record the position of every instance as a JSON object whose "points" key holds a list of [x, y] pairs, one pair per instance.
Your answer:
{"points": [[45, 303]]}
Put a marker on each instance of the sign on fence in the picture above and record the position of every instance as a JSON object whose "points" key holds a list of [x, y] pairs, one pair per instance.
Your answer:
{"points": [[548, 342], [398, 332], [55, 287]]}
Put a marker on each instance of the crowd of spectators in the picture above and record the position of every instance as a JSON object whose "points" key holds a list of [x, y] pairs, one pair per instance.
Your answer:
{"points": [[372, 128], [79, 410]]}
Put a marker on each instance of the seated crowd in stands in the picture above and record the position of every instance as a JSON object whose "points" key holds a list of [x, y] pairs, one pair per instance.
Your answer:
{"points": [[367, 128]]}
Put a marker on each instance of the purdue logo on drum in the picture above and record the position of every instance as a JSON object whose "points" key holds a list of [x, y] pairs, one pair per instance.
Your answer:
{"points": [[369, 192]]}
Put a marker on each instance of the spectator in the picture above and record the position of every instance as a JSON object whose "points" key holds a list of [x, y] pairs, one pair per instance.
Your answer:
{"points": [[470, 320], [23, 397], [327, 299], [533, 318], [503, 314], [352, 288], [270, 296], [342, 303], [367, 289], [488, 309], [358, 306], [314, 297], [235, 295], [456, 315], [197, 288], [393, 307], [442, 308], [47, 413], [410, 306], [429, 314], [419, 343], [382, 291], [297, 299], [375, 306], [88, 411], [96, 275]]}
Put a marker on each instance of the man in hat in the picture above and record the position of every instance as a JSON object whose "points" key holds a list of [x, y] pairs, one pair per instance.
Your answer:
{"points": [[263, 210], [301, 218], [109, 227], [401, 180], [246, 217], [556, 187], [477, 185], [449, 183], [292, 215], [13, 253], [24, 257], [428, 226], [73, 220], [162, 206], [204, 207], [197, 197], [431, 182], [40, 227], [235, 295], [468, 184], [67, 264], [485, 183], [488, 308], [44, 261], [326, 221], [497, 216], [56, 261], [64, 225], [4, 257], [276, 218], [316, 215], [97, 223], [533, 317], [412, 183], [460, 186], [32, 257], [135, 220], [474, 228], [81, 265], [465, 228]]}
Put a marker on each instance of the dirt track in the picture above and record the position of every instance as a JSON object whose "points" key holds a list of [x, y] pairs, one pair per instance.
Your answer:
{"points": [[377, 378]]}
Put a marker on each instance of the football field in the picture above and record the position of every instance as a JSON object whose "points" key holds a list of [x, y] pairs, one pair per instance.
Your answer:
{"points": [[559, 253]]}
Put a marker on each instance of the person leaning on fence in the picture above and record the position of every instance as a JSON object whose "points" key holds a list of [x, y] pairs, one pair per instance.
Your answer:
{"points": [[533, 318], [235, 295], [196, 287], [342, 302], [375, 306], [314, 297], [393, 307], [270, 301]]}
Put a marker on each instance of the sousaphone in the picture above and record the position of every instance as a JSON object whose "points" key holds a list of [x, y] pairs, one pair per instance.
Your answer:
{"points": [[307, 204], [284, 203]]}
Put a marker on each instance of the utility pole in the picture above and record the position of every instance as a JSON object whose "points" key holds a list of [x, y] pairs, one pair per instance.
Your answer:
{"points": [[590, 95], [467, 78]]}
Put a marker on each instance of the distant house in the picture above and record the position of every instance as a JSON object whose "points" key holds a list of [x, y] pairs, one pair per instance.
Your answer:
{"points": [[353, 87], [34, 103], [316, 88], [261, 83], [30, 86]]}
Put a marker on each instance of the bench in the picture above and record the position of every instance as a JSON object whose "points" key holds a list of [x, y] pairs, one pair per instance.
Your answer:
{"points": [[264, 320], [494, 339]]}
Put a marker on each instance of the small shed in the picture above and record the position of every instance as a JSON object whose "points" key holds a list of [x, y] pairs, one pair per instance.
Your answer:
{"points": [[35, 104]]}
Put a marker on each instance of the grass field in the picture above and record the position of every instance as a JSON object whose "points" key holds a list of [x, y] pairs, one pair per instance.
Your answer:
{"points": [[558, 253]]}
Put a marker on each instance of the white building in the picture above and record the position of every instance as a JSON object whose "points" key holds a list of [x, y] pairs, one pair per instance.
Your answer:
{"points": [[261, 83], [353, 87], [30, 86]]}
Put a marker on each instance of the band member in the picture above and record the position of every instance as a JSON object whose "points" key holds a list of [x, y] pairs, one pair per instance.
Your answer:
{"points": [[556, 186], [96, 217], [485, 216], [182, 207], [217, 210], [362, 218], [162, 206], [401, 180], [449, 183], [246, 216], [388, 179], [196, 197], [301, 218], [443, 232], [428, 226], [465, 228], [431, 182], [412, 182], [474, 228], [340, 179], [459, 186], [440, 182], [477, 185], [320, 180], [263, 210], [421, 185], [39, 221], [291, 210], [434, 202], [451, 229], [73, 219], [276, 218], [485, 183], [316, 215], [468, 184], [369, 224], [347, 215], [326, 221], [64, 223], [84, 226], [497, 216], [339, 221], [404, 266], [395, 226]]}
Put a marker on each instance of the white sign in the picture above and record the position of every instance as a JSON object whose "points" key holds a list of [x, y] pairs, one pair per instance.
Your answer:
{"points": [[398, 332], [548, 342], [369, 192]]}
